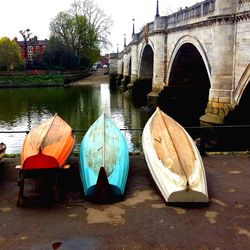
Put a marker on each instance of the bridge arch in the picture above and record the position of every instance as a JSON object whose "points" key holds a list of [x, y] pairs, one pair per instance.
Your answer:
{"points": [[120, 67], [239, 115], [188, 81], [146, 62], [129, 62], [196, 43], [243, 83], [126, 60], [127, 71]]}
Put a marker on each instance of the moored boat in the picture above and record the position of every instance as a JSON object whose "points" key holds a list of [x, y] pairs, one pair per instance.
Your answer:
{"points": [[174, 160], [45, 151], [48, 145], [104, 159], [2, 150]]}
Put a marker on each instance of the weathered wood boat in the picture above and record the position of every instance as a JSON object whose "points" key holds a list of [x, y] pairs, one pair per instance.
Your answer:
{"points": [[174, 160], [104, 160], [2, 150], [47, 145], [45, 150]]}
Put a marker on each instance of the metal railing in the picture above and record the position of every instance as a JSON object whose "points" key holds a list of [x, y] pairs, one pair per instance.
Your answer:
{"points": [[227, 138]]}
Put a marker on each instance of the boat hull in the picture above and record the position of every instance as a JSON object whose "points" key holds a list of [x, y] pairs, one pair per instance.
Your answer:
{"points": [[48, 145], [2, 150], [174, 160], [104, 152]]}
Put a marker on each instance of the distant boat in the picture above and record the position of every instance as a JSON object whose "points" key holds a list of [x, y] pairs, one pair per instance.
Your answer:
{"points": [[2, 150], [104, 160], [47, 145], [174, 160]]}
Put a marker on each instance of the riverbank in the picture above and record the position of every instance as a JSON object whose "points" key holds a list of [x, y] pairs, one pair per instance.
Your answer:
{"points": [[32, 81], [141, 220], [97, 77], [41, 80]]}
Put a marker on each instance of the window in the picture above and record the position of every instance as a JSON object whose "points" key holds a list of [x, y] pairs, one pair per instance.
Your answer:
{"points": [[30, 57]]}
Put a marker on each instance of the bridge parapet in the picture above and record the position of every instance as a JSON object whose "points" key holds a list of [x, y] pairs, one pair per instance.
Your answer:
{"points": [[243, 5], [148, 29], [198, 10], [127, 49], [195, 13]]}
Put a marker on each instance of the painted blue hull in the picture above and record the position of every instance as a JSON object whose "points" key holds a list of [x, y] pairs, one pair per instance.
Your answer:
{"points": [[104, 147]]}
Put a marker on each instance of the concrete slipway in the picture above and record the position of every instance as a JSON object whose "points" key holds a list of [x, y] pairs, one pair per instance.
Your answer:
{"points": [[141, 221]]}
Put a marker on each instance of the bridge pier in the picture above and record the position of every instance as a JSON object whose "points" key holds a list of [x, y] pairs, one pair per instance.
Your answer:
{"points": [[124, 83], [217, 109], [153, 96], [153, 99]]}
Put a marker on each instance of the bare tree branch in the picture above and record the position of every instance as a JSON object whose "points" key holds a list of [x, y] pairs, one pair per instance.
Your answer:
{"points": [[96, 17]]}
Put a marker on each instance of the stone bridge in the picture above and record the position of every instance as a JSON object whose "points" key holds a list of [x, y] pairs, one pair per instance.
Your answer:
{"points": [[197, 60]]}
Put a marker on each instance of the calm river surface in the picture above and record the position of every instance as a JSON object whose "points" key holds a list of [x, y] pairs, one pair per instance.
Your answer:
{"points": [[22, 109]]}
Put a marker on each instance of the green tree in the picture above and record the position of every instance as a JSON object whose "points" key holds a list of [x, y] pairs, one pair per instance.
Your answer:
{"points": [[97, 19], [58, 55], [9, 53], [63, 28], [84, 29], [75, 33]]}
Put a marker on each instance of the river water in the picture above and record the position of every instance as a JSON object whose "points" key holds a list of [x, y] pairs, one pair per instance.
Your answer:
{"points": [[22, 109]]}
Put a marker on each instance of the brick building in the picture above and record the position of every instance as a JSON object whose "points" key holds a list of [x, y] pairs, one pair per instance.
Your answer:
{"points": [[35, 48]]}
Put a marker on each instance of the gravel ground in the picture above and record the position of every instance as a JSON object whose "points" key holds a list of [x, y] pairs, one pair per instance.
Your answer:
{"points": [[141, 220]]}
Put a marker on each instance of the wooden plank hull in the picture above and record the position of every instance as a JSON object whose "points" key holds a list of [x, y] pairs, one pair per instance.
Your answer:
{"points": [[104, 158], [48, 145], [174, 160], [2, 150]]}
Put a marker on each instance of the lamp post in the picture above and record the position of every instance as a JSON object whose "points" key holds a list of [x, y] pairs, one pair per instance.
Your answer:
{"points": [[157, 8], [133, 21], [124, 40], [117, 48]]}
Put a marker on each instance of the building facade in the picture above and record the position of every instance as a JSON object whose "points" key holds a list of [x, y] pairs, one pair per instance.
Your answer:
{"points": [[35, 48]]}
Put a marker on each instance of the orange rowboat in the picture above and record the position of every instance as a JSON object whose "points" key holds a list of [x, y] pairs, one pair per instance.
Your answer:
{"points": [[47, 145], [2, 150]]}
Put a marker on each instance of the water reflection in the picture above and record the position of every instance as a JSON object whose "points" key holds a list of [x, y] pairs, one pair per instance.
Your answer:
{"points": [[22, 109]]}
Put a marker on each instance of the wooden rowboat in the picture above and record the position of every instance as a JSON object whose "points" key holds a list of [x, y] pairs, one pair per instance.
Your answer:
{"points": [[2, 150], [45, 151], [104, 160], [47, 145], [174, 160]]}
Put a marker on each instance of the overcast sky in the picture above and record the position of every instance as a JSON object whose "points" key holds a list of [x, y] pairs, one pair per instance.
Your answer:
{"points": [[36, 15]]}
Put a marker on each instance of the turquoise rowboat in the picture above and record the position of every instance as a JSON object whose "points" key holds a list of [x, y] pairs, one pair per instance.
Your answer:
{"points": [[104, 159]]}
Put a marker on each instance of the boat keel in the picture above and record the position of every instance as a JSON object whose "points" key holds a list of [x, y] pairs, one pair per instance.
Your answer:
{"points": [[102, 191]]}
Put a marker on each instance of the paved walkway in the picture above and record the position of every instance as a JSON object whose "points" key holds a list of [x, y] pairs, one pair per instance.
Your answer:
{"points": [[141, 221], [97, 77]]}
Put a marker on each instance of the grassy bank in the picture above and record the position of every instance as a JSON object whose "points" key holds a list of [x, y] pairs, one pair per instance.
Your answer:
{"points": [[31, 80]]}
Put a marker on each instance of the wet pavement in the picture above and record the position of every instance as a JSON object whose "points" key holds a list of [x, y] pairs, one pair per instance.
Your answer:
{"points": [[142, 220]]}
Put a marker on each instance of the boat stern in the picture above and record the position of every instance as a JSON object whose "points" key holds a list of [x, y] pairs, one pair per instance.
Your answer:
{"points": [[40, 161], [188, 196], [103, 191]]}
